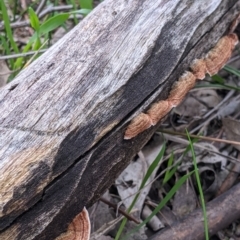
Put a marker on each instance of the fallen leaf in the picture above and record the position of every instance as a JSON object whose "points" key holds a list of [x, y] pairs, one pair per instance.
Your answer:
{"points": [[4, 73], [100, 213], [184, 201], [198, 103], [129, 181], [229, 108], [232, 130]]}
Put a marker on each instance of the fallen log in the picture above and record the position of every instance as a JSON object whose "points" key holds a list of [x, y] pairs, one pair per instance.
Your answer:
{"points": [[63, 118], [221, 212]]}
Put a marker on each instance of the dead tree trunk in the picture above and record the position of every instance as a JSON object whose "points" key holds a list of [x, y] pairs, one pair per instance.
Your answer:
{"points": [[63, 118]]}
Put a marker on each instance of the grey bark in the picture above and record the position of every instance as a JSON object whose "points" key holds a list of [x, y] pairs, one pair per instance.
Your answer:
{"points": [[63, 118]]}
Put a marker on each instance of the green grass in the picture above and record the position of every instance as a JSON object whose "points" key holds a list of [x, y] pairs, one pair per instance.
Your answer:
{"points": [[7, 40], [199, 188], [232, 70], [168, 175], [144, 181], [42, 28], [164, 201]]}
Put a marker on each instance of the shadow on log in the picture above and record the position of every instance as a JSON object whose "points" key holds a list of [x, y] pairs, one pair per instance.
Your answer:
{"points": [[63, 118]]}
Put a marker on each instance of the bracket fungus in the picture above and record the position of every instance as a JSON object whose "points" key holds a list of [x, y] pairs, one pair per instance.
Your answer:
{"points": [[214, 60]]}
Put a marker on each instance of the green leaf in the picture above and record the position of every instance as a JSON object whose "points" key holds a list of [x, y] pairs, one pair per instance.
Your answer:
{"points": [[37, 44], [217, 79], [153, 166], [33, 19], [8, 27], [6, 50], [53, 23], [88, 4], [170, 172], [166, 176]]}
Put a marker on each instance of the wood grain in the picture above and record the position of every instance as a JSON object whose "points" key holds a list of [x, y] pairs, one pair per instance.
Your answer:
{"points": [[63, 118]]}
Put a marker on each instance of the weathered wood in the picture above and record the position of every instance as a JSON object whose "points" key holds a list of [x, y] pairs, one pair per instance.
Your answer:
{"points": [[63, 118]]}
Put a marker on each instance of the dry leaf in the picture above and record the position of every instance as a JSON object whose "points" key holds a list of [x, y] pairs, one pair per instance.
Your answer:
{"points": [[4, 73], [231, 107], [209, 97], [130, 179], [191, 107], [184, 201], [100, 213], [209, 181], [232, 129], [197, 103]]}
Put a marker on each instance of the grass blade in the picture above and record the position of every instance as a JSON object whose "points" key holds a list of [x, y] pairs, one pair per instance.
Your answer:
{"points": [[53, 22], [170, 172], [33, 19], [170, 194], [8, 27], [232, 70], [199, 188], [148, 174]]}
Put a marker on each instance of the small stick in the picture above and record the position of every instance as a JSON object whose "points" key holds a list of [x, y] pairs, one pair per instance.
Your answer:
{"points": [[125, 214]]}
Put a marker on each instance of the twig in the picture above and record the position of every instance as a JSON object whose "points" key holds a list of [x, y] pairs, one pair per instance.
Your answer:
{"points": [[40, 6], [222, 211], [41, 15], [131, 218], [201, 137], [54, 8], [207, 118], [21, 54], [186, 142], [230, 179]]}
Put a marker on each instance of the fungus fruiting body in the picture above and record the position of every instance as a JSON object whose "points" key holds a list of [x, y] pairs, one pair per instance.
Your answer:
{"points": [[214, 60]]}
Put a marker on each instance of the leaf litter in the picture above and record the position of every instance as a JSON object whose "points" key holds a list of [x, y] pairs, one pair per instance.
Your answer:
{"points": [[211, 112]]}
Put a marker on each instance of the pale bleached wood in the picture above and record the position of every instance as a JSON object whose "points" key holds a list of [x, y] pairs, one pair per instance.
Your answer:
{"points": [[63, 118]]}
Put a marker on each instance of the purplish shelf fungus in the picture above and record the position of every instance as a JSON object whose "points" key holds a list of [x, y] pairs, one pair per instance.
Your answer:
{"points": [[214, 60]]}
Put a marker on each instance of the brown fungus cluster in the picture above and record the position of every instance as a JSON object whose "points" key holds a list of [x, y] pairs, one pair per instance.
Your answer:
{"points": [[214, 60]]}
